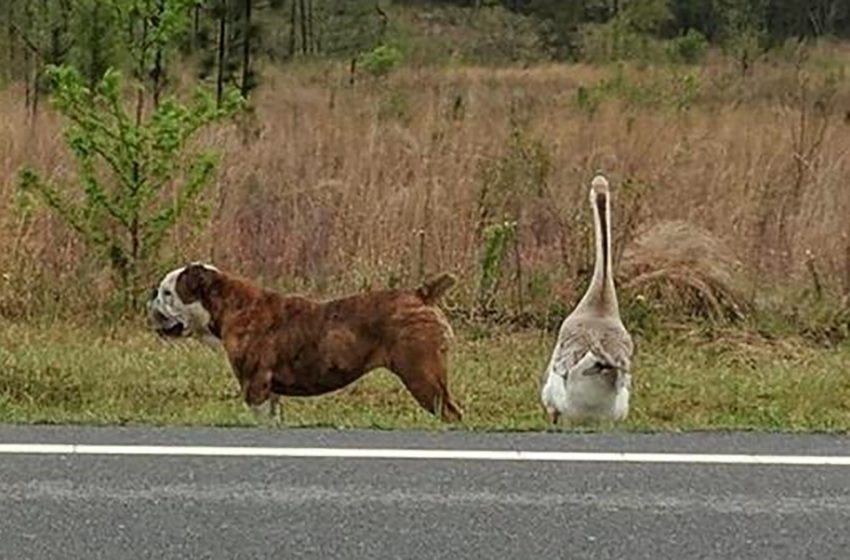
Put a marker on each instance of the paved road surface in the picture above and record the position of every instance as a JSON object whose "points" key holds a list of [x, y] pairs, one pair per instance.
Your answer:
{"points": [[126, 507]]}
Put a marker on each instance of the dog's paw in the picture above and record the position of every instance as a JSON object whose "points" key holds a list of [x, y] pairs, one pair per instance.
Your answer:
{"points": [[263, 413]]}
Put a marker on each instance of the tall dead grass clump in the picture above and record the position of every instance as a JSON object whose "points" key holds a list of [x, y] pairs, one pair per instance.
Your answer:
{"points": [[685, 269]]}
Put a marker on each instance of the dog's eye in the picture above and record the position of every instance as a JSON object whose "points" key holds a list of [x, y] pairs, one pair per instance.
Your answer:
{"points": [[166, 293]]}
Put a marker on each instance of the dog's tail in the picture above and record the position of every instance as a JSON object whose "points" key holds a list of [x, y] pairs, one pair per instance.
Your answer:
{"points": [[431, 291]]}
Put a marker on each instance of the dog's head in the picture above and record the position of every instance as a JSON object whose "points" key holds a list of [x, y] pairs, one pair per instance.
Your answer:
{"points": [[179, 306]]}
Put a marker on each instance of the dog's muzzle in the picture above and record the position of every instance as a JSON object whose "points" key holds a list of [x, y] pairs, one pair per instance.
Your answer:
{"points": [[165, 326]]}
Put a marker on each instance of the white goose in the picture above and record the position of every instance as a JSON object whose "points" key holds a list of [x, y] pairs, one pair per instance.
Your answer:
{"points": [[588, 375]]}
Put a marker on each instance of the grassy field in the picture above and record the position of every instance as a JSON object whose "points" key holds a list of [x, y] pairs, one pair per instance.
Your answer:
{"points": [[687, 380]]}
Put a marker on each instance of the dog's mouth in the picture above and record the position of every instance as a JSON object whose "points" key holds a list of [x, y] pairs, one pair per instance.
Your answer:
{"points": [[175, 330], [166, 327]]}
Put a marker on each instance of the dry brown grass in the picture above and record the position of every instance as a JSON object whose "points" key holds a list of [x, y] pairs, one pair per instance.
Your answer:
{"points": [[687, 269], [335, 187]]}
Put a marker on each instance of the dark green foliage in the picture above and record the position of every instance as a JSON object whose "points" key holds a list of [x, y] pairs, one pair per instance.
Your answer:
{"points": [[779, 20], [95, 30], [38, 34], [228, 36], [351, 27], [690, 48]]}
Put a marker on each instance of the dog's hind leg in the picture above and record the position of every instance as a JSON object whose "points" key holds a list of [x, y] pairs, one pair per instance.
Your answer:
{"points": [[274, 409], [424, 375]]}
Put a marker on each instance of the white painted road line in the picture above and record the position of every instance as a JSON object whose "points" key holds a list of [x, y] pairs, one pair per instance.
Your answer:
{"points": [[422, 454]]}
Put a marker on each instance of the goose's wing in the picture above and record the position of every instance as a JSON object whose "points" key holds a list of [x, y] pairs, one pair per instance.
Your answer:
{"points": [[592, 350], [613, 348], [572, 353]]}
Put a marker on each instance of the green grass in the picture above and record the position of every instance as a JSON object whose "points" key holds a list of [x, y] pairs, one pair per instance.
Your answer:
{"points": [[691, 380]]}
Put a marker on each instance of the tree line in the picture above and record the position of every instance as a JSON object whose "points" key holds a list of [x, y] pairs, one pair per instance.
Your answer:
{"points": [[775, 21], [222, 38]]}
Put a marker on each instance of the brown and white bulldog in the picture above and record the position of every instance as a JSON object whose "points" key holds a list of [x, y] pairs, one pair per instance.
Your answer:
{"points": [[279, 345]]}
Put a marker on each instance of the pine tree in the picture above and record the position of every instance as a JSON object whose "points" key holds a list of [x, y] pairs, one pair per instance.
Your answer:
{"points": [[228, 35], [94, 25], [42, 28]]}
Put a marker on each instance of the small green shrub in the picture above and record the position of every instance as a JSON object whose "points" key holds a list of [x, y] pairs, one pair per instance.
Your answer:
{"points": [[381, 60], [690, 48], [685, 90], [497, 240], [127, 164], [745, 46]]}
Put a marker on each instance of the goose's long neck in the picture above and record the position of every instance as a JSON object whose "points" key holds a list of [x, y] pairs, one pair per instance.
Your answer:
{"points": [[601, 295]]}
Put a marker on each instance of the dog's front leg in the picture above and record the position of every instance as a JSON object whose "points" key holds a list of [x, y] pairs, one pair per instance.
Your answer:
{"points": [[258, 396]]}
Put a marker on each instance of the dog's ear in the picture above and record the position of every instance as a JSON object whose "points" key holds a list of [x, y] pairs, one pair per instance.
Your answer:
{"points": [[195, 283]]}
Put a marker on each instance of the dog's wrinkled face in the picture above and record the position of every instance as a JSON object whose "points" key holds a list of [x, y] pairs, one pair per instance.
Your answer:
{"points": [[176, 307]]}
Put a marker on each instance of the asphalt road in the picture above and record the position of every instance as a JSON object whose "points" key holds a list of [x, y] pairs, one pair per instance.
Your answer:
{"points": [[128, 507]]}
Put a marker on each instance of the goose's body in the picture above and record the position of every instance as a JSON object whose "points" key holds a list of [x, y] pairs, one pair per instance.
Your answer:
{"points": [[588, 375]]}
